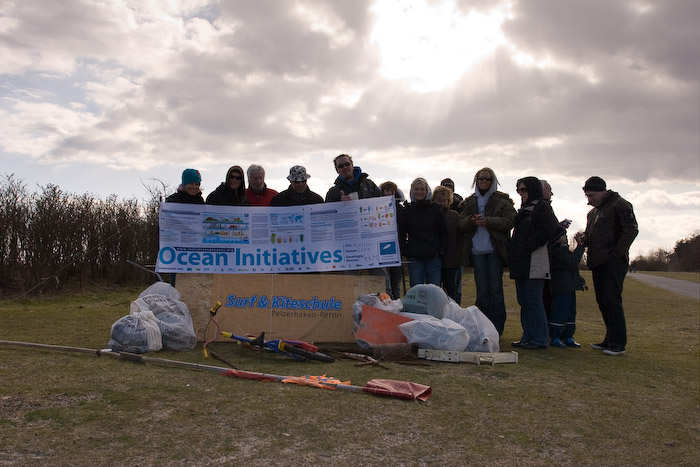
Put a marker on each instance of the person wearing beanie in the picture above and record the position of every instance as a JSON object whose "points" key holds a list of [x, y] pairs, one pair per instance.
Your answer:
{"points": [[423, 235], [298, 192], [189, 191], [231, 192], [257, 193], [610, 231]]}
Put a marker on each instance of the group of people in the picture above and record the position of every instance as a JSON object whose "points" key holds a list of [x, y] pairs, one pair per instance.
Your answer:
{"points": [[440, 233]]}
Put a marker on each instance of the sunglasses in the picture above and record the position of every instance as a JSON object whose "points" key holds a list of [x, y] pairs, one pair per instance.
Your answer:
{"points": [[343, 165], [522, 189], [235, 177], [484, 179]]}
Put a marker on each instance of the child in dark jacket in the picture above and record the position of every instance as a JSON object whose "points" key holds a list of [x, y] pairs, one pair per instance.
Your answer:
{"points": [[565, 281]]}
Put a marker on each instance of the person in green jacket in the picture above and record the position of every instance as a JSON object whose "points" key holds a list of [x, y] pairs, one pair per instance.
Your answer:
{"points": [[486, 220]]}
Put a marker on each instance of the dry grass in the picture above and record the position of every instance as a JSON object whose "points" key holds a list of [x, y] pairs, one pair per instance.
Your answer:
{"points": [[558, 406]]}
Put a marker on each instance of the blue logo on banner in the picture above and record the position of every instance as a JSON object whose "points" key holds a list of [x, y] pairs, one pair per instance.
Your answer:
{"points": [[387, 248]]}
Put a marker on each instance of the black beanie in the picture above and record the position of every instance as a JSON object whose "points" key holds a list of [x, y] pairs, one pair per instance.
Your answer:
{"points": [[595, 184]]}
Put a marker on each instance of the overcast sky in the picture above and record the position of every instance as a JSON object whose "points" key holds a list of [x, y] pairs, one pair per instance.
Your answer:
{"points": [[106, 96]]}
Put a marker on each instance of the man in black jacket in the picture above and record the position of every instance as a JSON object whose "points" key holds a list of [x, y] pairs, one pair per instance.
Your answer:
{"points": [[298, 192], [610, 231], [351, 183]]}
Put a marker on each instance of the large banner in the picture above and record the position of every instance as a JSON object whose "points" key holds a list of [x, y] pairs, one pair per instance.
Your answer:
{"points": [[202, 238]]}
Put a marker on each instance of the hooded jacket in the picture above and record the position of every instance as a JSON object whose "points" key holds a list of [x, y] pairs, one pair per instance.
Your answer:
{"points": [[534, 226], [499, 212], [224, 195], [361, 184]]}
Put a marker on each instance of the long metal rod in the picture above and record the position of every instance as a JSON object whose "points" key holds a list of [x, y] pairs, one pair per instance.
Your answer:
{"points": [[198, 366]]}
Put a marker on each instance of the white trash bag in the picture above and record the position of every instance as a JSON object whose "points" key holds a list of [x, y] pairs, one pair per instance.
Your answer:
{"points": [[172, 315], [138, 332], [432, 333], [484, 336]]}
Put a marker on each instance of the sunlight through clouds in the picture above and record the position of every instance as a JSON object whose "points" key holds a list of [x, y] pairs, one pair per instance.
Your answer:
{"points": [[432, 45]]}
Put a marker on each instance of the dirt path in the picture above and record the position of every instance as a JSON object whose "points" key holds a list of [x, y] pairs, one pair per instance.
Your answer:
{"points": [[691, 289]]}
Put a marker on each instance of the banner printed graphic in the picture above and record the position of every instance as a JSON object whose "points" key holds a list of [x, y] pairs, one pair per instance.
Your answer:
{"points": [[341, 236]]}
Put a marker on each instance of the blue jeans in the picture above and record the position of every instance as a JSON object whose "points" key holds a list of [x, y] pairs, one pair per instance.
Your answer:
{"points": [[562, 323], [607, 280], [532, 315], [425, 272], [488, 276]]}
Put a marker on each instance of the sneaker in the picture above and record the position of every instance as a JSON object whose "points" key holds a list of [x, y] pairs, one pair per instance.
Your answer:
{"points": [[532, 346], [614, 351], [516, 344], [601, 346], [570, 342], [556, 342]]}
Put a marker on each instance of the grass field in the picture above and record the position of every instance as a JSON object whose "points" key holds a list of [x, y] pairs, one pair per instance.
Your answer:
{"points": [[557, 406]]}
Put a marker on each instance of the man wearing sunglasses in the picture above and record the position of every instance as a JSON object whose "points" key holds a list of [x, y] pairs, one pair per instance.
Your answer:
{"points": [[351, 183]]}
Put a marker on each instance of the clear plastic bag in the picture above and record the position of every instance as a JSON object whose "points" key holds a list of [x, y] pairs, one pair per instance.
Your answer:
{"points": [[431, 333], [483, 334], [172, 315], [374, 300], [138, 332]]}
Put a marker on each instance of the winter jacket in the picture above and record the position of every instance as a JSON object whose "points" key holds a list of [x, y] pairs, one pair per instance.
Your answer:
{"points": [[564, 268], [454, 239], [363, 186], [422, 231], [500, 214], [534, 226], [180, 196], [224, 195], [610, 230], [260, 199], [289, 197]]}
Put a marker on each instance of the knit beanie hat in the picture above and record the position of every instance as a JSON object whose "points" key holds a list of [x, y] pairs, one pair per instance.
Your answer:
{"points": [[191, 176], [595, 184]]}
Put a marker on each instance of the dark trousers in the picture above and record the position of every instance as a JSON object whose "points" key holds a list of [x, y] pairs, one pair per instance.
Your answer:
{"points": [[532, 315], [450, 276], [607, 280], [562, 323], [393, 281], [488, 276]]}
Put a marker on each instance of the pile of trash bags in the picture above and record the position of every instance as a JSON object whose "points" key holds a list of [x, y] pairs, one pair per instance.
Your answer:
{"points": [[157, 319], [426, 317]]}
